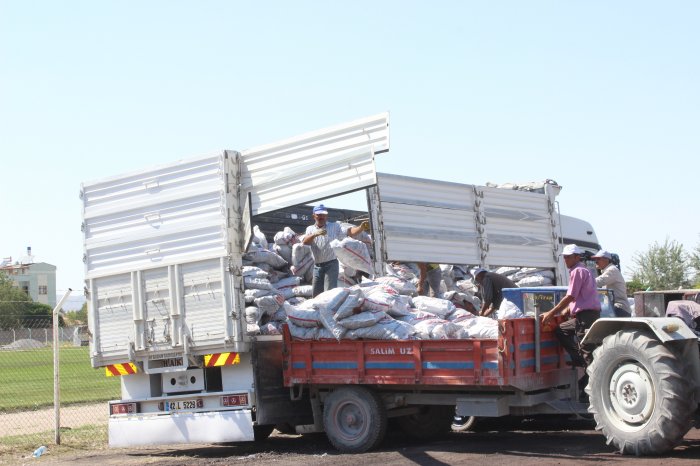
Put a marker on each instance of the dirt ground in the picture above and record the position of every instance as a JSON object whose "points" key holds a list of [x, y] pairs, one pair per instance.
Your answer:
{"points": [[525, 443], [30, 422]]}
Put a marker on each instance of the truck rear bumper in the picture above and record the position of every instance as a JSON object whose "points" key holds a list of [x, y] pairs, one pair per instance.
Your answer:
{"points": [[211, 427]]}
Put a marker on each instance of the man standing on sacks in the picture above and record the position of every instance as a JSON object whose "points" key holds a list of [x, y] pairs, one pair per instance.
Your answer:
{"points": [[319, 236]]}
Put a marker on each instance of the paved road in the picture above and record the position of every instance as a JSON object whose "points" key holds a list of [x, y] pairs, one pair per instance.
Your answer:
{"points": [[531, 443]]}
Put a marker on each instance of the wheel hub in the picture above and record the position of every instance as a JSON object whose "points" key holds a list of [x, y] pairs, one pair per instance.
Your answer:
{"points": [[631, 393]]}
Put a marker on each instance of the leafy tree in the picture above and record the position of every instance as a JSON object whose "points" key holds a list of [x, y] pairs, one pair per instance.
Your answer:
{"points": [[18, 310], [694, 261], [634, 286], [77, 317], [12, 303], [662, 267]]}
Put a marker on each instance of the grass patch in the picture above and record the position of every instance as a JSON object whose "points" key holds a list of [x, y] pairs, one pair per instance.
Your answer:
{"points": [[27, 379], [86, 438]]}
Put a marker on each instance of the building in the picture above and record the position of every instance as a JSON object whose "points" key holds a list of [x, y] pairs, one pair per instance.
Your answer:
{"points": [[37, 279]]}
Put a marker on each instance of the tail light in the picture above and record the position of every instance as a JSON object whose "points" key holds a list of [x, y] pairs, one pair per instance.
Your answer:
{"points": [[123, 408]]}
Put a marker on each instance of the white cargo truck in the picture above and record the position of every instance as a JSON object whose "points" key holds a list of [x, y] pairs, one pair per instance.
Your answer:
{"points": [[163, 254]]}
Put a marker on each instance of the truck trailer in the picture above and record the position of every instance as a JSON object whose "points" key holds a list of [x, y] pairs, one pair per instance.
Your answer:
{"points": [[163, 251]]}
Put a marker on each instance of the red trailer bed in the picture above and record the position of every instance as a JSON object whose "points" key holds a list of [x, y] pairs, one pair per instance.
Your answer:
{"points": [[509, 361]]}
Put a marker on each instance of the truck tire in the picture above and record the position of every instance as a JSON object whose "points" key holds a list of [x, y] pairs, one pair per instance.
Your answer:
{"points": [[640, 394], [463, 423], [354, 419], [260, 433], [430, 422]]}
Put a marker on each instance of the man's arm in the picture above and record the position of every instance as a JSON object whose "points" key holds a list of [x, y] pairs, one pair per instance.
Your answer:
{"points": [[422, 277], [309, 237], [364, 226], [605, 278], [561, 306]]}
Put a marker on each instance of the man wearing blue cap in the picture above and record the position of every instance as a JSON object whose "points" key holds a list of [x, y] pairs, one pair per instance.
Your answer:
{"points": [[319, 236]]}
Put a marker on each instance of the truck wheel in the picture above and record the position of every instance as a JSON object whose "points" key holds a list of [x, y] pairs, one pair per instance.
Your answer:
{"points": [[262, 432], [354, 419], [429, 422], [640, 395], [463, 423]]}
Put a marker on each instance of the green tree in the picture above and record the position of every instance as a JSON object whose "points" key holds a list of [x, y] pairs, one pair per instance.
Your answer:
{"points": [[18, 310], [634, 286], [12, 303], [662, 267], [694, 261], [77, 317]]}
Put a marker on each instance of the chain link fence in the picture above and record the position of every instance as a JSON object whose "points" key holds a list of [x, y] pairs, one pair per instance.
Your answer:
{"points": [[27, 383]]}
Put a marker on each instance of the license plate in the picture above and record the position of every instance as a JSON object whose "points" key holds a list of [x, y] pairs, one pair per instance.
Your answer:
{"points": [[183, 405]]}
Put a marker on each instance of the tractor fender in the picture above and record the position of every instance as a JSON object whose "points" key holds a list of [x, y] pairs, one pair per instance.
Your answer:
{"points": [[666, 329]]}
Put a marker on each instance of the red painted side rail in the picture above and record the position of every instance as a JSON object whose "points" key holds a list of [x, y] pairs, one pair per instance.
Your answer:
{"points": [[509, 360]]}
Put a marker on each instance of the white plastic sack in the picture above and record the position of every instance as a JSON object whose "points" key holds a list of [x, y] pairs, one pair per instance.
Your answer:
{"points": [[286, 237], [327, 314], [401, 270], [303, 291], [288, 282], [361, 320], [270, 329], [438, 306], [508, 271], [253, 315], [259, 237], [303, 333], [534, 280], [379, 297], [302, 259], [386, 329], [508, 310], [330, 299], [402, 286], [253, 272], [267, 257], [257, 283], [252, 294], [478, 327], [269, 304], [351, 305], [284, 251], [302, 317], [353, 253]]}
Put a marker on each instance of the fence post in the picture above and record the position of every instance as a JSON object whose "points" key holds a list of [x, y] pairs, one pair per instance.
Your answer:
{"points": [[56, 387]]}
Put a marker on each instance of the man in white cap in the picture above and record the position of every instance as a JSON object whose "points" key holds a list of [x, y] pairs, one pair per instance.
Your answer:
{"points": [[319, 236], [491, 286], [581, 302], [611, 278]]}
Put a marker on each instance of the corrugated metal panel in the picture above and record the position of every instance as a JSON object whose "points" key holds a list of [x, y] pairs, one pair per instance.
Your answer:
{"points": [[205, 313], [518, 228], [428, 220], [114, 312], [156, 308], [165, 215], [315, 165], [436, 221]]}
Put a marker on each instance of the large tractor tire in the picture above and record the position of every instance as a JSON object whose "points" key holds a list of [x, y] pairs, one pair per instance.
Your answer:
{"points": [[640, 394], [428, 423], [354, 419]]}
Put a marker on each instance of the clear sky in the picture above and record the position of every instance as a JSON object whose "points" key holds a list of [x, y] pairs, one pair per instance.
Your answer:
{"points": [[603, 97]]}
